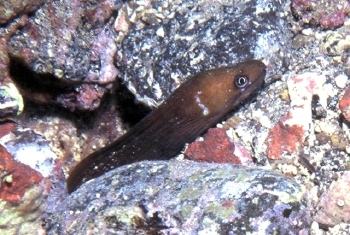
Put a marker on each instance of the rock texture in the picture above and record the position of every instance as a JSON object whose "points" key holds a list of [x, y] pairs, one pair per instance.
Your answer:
{"points": [[218, 147], [11, 9], [327, 14], [31, 180], [69, 44], [70, 53], [334, 206], [183, 197], [168, 41], [75, 49]]}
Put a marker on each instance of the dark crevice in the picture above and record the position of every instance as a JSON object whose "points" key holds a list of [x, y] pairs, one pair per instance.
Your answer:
{"points": [[131, 111], [35, 86], [39, 92]]}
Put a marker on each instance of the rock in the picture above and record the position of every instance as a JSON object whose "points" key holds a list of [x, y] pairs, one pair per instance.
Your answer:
{"points": [[290, 131], [32, 180], [11, 102], [74, 44], [11, 9], [334, 205], [183, 197], [174, 200], [335, 43], [72, 50], [327, 14], [22, 196], [16, 178], [218, 147], [344, 104], [341, 80], [284, 138], [4, 62], [6, 128], [167, 42], [32, 149]]}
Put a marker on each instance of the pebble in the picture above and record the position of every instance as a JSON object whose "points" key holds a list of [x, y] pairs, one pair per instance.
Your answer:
{"points": [[341, 80]]}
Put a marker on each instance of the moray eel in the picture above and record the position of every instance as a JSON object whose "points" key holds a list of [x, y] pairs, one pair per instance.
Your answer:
{"points": [[199, 103]]}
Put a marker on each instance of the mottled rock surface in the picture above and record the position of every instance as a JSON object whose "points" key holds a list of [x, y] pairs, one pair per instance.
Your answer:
{"points": [[168, 41], [31, 179], [75, 49], [16, 177], [10, 9], [290, 131], [327, 14], [80, 53], [11, 102], [334, 206], [69, 44], [183, 197]]}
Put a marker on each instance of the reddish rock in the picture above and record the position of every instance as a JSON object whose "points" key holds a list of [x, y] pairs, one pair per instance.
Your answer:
{"points": [[333, 20], [327, 14], [290, 131], [219, 148], [88, 97], [6, 128], [344, 104], [284, 138], [16, 177]]}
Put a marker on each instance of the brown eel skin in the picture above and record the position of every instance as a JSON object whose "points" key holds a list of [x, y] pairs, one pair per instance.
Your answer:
{"points": [[198, 104]]}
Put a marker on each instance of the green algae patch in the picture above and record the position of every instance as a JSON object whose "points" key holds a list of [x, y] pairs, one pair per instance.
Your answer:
{"points": [[10, 92], [191, 193], [287, 197], [186, 211], [8, 215], [126, 215], [243, 176], [23, 217], [222, 211], [221, 174], [195, 177]]}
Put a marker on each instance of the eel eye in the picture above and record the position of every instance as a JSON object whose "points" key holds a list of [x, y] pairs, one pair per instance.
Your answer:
{"points": [[241, 81]]}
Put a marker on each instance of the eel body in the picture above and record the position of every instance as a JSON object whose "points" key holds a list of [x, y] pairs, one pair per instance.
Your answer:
{"points": [[199, 103]]}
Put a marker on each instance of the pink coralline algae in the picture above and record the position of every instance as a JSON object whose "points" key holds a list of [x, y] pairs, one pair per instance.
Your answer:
{"points": [[87, 97], [327, 14], [333, 20], [291, 130], [219, 148], [334, 205], [344, 104], [16, 177]]}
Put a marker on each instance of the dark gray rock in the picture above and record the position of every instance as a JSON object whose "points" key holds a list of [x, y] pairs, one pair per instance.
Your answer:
{"points": [[166, 42], [183, 197]]}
